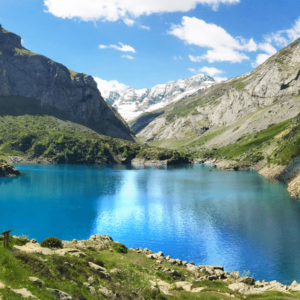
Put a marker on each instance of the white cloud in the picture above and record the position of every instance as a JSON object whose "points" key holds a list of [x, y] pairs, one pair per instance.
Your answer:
{"points": [[128, 22], [211, 71], [113, 10], [177, 57], [220, 79], [262, 57], [128, 56], [145, 27], [282, 38], [223, 47], [122, 47], [105, 87]]}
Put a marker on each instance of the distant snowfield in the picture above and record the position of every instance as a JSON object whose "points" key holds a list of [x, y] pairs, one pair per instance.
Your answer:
{"points": [[131, 102]]}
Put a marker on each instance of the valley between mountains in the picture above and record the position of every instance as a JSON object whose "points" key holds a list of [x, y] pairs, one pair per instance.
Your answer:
{"points": [[51, 114]]}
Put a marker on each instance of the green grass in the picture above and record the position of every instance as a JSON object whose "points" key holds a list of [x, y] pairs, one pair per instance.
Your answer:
{"points": [[46, 137], [240, 85]]}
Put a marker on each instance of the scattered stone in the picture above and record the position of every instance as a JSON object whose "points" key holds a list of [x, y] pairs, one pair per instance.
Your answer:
{"points": [[294, 283], [178, 262], [107, 293], [24, 293], [218, 268], [184, 284], [139, 251], [150, 256], [115, 271], [158, 262], [168, 257], [101, 271], [59, 294], [110, 250], [159, 254], [92, 291], [2, 285], [91, 280], [235, 275], [37, 281], [184, 263], [33, 241], [247, 280]]}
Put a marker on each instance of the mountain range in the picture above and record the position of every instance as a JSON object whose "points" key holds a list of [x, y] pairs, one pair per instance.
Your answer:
{"points": [[131, 102]]}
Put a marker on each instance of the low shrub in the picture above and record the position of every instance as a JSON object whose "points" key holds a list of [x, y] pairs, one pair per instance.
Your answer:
{"points": [[120, 248], [52, 242]]}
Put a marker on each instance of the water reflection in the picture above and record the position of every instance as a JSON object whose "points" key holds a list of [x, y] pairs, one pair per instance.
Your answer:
{"points": [[235, 219]]}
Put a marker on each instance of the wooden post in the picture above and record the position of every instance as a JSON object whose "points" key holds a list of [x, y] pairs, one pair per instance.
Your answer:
{"points": [[6, 237]]}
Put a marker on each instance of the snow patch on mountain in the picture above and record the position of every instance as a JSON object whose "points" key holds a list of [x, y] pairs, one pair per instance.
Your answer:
{"points": [[131, 102]]}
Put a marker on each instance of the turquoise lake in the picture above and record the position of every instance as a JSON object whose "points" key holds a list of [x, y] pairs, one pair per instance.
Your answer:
{"points": [[196, 213]]}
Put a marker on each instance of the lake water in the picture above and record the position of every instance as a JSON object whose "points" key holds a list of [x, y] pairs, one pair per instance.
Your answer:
{"points": [[238, 220]]}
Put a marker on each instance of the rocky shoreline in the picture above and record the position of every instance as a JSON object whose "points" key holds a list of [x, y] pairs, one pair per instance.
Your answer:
{"points": [[183, 276], [289, 174]]}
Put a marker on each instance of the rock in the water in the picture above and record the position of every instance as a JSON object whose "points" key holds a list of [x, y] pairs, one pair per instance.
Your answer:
{"points": [[59, 294], [7, 170]]}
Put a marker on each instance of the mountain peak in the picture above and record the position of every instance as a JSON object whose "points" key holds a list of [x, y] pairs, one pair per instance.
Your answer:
{"points": [[9, 38]]}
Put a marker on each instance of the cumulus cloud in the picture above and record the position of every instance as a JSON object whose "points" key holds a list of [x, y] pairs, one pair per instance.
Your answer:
{"points": [[145, 27], [113, 10], [128, 56], [122, 47], [222, 46], [211, 71], [177, 57], [105, 87], [262, 57], [282, 38], [128, 22]]}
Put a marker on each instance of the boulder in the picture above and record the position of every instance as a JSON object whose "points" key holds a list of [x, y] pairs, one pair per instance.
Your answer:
{"points": [[247, 280], [24, 293], [59, 294], [235, 275], [101, 271], [37, 281], [107, 293]]}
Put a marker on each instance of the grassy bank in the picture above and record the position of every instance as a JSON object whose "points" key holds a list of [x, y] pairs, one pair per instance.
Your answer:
{"points": [[45, 138], [131, 275]]}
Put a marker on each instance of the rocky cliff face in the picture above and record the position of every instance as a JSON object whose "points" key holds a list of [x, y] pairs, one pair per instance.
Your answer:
{"points": [[53, 87], [131, 102], [245, 104]]}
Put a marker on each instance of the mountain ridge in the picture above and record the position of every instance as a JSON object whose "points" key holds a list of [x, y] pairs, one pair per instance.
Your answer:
{"points": [[53, 87], [131, 102]]}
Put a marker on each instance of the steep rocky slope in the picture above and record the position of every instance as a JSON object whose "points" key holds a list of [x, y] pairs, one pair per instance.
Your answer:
{"points": [[224, 113], [131, 102], [33, 84]]}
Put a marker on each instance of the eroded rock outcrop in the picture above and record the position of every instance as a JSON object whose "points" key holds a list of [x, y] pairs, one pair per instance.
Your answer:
{"points": [[34, 84]]}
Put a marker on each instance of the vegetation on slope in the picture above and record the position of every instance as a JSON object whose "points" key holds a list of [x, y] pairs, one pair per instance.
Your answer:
{"points": [[45, 138], [130, 276]]}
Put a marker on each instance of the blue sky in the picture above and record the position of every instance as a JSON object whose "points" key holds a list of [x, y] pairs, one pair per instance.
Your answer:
{"points": [[141, 43]]}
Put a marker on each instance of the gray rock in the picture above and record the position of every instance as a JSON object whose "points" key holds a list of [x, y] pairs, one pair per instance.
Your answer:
{"points": [[115, 271], [107, 293], [37, 281], [235, 275], [24, 293], [91, 279], [53, 89], [101, 271], [247, 280], [93, 291], [33, 241], [59, 294]]}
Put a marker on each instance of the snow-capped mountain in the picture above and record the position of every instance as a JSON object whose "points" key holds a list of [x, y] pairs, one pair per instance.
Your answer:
{"points": [[131, 102]]}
